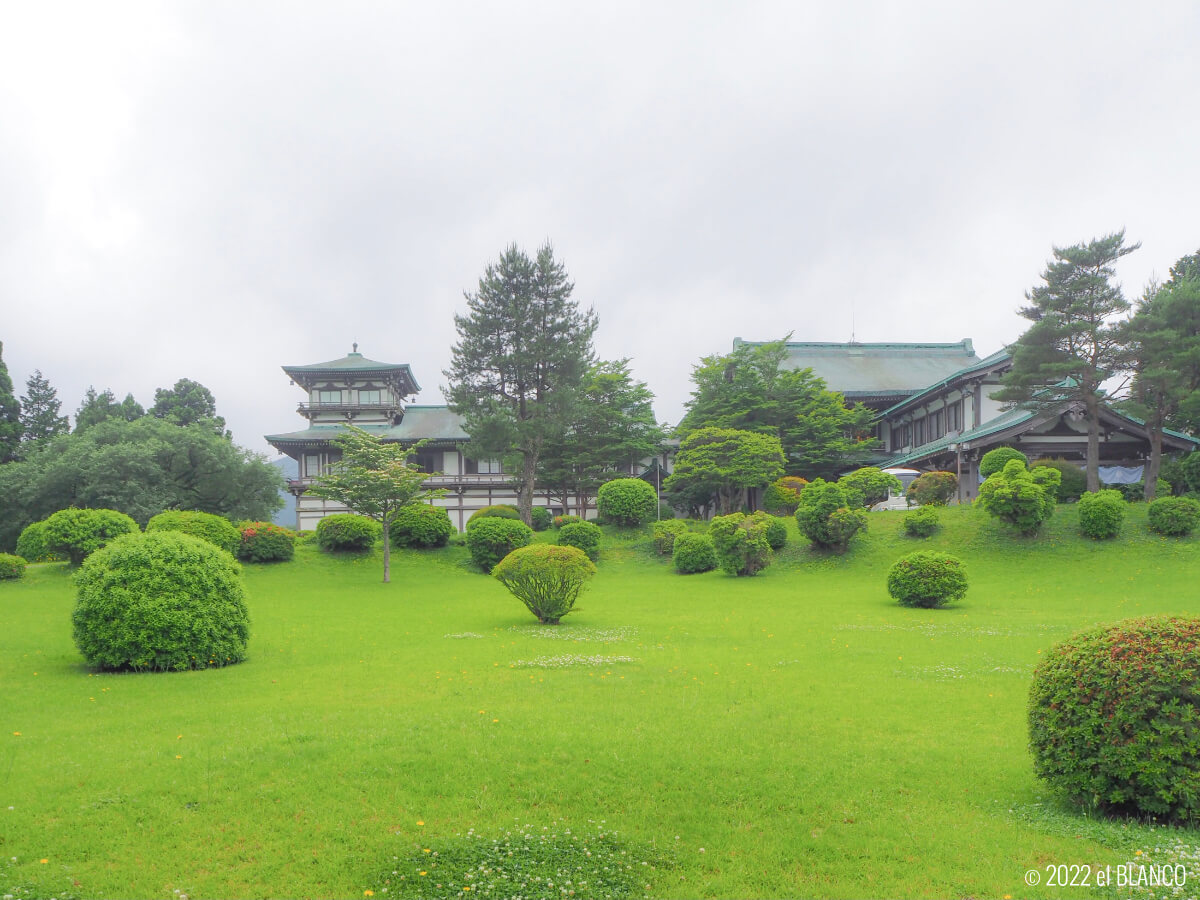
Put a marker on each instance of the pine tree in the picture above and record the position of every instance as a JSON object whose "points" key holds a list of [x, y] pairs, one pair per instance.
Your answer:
{"points": [[40, 418], [1076, 342], [97, 407], [523, 349], [10, 415]]}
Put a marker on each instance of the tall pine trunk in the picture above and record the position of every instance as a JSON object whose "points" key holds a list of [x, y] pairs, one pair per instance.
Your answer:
{"points": [[1092, 408], [387, 551], [528, 484], [1154, 463]]}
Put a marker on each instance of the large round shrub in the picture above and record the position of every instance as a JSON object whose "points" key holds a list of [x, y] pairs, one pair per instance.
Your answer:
{"points": [[872, 484], [1023, 499], [74, 533], [627, 502], [922, 523], [1101, 514], [741, 543], [584, 535], [266, 542], [423, 526], [540, 518], [932, 489], [31, 545], [1174, 516], [1114, 718], [1074, 479], [493, 538], [163, 601], [347, 533], [828, 515], [217, 530], [782, 496], [495, 511], [995, 460], [694, 553], [546, 578], [11, 566], [665, 533], [927, 579], [776, 530]]}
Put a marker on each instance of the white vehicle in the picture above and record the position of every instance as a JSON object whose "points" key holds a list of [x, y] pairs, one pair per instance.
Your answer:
{"points": [[896, 499]]}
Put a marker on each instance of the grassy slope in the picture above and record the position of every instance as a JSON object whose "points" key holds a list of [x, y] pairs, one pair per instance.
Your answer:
{"points": [[812, 736]]}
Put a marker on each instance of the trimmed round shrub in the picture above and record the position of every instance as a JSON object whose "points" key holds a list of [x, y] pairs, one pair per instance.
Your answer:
{"points": [[494, 537], [828, 515], [871, 483], [266, 542], [927, 579], [11, 566], [776, 531], [1101, 514], [347, 533], [584, 535], [75, 533], [922, 523], [31, 545], [495, 511], [217, 530], [546, 578], [1074, 479], [540, 518], [782, 496], [741, 544], [665, 533], [995, 460], [1114, 722], [1174, 516], [560, 521], [694, 553], [627, 502], [162, 601], [422, 526], [1019, 497], [932, 489]]}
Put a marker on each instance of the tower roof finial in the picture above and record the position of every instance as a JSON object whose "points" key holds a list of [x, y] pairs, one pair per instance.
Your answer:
{"points": [[355, 347]]}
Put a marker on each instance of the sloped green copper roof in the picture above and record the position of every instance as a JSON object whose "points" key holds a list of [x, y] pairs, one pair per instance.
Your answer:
{"points": [[1002, 422], [420, 423], [352, 364], [878, 370], [982, 366]]}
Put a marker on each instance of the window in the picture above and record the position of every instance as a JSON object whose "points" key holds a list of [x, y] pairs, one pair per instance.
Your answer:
{"points": [[919, 432], [483, 467], [935, 425], [329, 396], [372, 398], [954, 416], [312, 464], [427, 461]]}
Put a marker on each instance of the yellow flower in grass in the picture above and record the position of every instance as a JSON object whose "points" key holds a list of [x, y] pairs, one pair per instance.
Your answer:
{"points": [[422, 873], [368, 893], [420, 823], [43, 861]]}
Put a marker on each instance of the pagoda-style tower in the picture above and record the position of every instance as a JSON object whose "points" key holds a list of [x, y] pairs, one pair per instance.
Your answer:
{"points": [[354, 390]]}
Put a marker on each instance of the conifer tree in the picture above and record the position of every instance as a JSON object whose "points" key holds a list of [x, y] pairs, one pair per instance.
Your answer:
{"points": [[523, 349], [40, 417], [96, 407], [10, 415]]}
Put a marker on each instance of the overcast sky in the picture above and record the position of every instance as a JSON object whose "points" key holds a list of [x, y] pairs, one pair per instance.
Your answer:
{"points": [[213, 190]]}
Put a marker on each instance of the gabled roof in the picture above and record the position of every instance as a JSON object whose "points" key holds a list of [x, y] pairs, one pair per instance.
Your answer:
{"points": [[878, 370], [355, 364], [988, 362]]}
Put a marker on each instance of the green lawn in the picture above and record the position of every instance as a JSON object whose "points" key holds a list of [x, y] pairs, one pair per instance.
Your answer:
{"points": [[793, 734]]}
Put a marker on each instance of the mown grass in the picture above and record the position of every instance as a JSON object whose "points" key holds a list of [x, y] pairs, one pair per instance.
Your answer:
{"points": [[793, 734]]}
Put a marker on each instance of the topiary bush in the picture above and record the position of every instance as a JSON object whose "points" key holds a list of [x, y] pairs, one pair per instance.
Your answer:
{"points": [[347, 533], [1114, 722], [162, 601], [540, 518], [782, 496], [584, 535], [627, 502], [776, 533], [1023, 499], [75, 533], [31, 545], [266, 542], [995, 460], [1101, 514], [1174, 516], [560, 521], [741, 544], [871, 483], [1074, 479], [932, 489], [828, 515], [217, 530], [494, 537], [495, 511], [922, 523], [11, 566], [927, 579], [422, 526], [665, 533], [694, 553], [546, 578]]}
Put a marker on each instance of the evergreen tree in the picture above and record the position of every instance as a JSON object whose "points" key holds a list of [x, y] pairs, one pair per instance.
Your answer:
{"points": [[750, 389], [517, 369], [724, 463], [10, 415], [97, 407], [611, 429], [1076, 341], [40, 418], [187, 403]]}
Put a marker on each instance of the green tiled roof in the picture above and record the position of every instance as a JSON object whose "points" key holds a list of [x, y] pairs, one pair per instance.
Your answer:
{"points": [[352, 364], [436, 423], [983, 365], [1002, 422], [878, 370]]}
